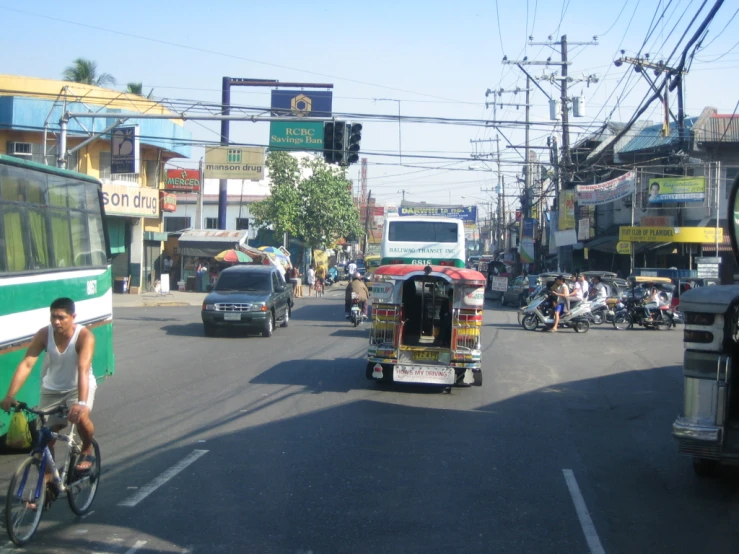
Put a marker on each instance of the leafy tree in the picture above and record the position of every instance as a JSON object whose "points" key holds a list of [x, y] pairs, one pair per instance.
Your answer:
{"points": [[86, 71], [309, 199]]}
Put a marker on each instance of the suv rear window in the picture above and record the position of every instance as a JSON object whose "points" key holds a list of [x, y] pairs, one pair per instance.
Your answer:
{"points": [[244, 281]]}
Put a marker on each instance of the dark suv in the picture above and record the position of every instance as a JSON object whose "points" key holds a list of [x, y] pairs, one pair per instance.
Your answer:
{"points": [[250, 296]]}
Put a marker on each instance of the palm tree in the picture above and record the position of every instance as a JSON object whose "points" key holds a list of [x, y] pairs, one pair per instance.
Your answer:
{"points": [[138, 88], [85, 71], [135, 88]]}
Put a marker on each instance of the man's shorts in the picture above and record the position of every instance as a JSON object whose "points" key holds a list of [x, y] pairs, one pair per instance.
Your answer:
{"points": [[51, 399], [559, 308]]}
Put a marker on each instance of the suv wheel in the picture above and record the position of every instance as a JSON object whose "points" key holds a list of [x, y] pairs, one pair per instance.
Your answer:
{"points": [[269, 326], [209, 330]]}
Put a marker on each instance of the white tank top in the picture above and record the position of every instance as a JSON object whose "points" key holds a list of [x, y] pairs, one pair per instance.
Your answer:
{"points": [[60, 368]]}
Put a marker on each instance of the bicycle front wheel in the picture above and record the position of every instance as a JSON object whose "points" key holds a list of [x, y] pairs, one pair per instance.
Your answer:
{"points": [[25, 501], [83, 485]]}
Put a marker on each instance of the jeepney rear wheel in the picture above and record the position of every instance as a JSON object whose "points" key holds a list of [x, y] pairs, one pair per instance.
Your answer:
{"points": [[705, 467], [477, 376]]}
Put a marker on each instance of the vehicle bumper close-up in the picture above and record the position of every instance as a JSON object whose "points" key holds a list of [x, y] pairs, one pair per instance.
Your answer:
{"points": [[235, 319]]}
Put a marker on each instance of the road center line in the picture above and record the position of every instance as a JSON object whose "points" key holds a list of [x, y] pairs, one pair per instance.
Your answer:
{"points": [[146, 490], [591, 535]]}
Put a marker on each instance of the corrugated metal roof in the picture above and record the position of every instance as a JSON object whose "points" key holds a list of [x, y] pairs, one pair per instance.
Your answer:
{"points": [[651, 138], [212, 235], [718, 128]]}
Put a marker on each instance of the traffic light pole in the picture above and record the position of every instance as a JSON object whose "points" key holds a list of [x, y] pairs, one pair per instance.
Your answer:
{"points": [[226, 85]]}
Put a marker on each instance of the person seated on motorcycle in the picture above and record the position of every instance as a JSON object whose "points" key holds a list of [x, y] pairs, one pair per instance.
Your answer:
{"points": [[598, 289], [584, 285], [575, 295], [562, 291], [652, 301], [356, 285]]}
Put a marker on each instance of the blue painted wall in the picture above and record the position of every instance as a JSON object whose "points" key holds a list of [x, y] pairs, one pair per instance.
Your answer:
{"points": [[19, 113]]}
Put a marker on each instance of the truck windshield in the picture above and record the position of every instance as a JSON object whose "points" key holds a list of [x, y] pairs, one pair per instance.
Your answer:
{"points": [[244, 281]]}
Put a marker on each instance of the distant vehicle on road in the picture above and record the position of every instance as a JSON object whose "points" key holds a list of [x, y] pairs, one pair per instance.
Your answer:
{"points": [[253, 297]]}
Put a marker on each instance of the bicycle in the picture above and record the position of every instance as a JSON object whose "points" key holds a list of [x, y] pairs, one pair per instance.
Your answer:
{"points": [[29, 495]]}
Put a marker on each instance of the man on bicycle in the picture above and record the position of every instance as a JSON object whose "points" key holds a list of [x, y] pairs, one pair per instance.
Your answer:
{"points": [[68, 379]]}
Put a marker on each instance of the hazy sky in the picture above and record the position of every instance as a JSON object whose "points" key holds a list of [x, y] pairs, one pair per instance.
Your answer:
{"points": [[438, 58]]}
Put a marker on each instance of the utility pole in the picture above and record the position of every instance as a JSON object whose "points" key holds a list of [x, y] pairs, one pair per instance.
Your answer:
{"points": [[565, 111], [564, 63]]}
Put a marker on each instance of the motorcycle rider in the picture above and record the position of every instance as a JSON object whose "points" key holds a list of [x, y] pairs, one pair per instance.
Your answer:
{"points": [[652, 302], [356, 285], [562, 291], [599, 289]]}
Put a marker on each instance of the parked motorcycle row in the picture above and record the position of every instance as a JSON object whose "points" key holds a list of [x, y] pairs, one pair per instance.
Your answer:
{"points": [[624, 310]]}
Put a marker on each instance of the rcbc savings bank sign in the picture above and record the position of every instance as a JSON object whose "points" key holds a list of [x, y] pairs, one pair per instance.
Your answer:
{"points": [[130, 201]]}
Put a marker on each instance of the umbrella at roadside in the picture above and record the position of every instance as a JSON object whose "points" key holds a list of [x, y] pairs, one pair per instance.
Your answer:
{"points": [[276, 254], [234, 257]]}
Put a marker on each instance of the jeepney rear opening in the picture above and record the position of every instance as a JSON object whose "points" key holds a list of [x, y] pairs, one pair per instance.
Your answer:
{"points": [[426, 308]]}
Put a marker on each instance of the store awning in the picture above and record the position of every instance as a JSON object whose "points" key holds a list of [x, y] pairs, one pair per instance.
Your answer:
{"points": [[208, 243]]}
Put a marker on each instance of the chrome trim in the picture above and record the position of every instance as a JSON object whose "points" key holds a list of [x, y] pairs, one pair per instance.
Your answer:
{"points": [[232, 307], [683, 429]]}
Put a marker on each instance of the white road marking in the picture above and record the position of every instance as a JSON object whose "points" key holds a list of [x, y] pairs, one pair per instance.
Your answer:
{"points": [[145, 491], [135, 547], [591, 535]]}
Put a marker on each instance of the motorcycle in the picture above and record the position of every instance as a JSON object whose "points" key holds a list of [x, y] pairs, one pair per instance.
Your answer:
{"points": [[603, 310], [332, 277], [541, 311], [355, 314], [636, 314]]}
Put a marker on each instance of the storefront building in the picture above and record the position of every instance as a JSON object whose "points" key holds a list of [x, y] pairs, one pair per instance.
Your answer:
{"points": [[30, 110]]}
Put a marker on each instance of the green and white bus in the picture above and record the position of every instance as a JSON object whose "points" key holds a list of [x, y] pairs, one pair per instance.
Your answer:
{"points": [[53, 243], [420, 240]]}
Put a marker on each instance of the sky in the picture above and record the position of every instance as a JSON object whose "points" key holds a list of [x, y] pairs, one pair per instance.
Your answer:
{"points": [[432, 59]]}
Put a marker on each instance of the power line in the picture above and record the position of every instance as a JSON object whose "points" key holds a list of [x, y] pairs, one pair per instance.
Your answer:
{"points": [[226, 55]]}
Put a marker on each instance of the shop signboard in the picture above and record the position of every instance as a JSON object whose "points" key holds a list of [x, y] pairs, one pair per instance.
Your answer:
{"points": [[708, 271], [608, 191], [290, 135], [468, 214], [182, 180], [125, 150], [234, 162], [623, 247], [167, 201], [670, 234], [130, 201], [499, 284], [302, 103], [677, 189]]}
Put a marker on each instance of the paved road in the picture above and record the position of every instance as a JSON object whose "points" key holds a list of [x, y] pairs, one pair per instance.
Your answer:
{"points": [[281, 445]]}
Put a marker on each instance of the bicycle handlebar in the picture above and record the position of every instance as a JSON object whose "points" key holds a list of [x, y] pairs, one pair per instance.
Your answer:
{"points": [[59, 410]]}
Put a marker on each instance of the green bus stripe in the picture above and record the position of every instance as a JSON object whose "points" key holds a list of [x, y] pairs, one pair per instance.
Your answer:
{"points": [[434, 261], [33, 296]]}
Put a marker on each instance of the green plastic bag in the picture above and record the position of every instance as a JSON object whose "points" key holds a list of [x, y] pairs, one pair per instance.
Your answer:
{"points": [[19, 434]]}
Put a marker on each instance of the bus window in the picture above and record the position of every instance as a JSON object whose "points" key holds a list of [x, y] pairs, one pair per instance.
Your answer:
{"points": [[423, 231]]}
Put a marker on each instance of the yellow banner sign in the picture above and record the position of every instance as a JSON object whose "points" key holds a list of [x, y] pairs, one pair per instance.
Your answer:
{"points": [[670, 234], [234, 162], [567, 209], [623, 247]]}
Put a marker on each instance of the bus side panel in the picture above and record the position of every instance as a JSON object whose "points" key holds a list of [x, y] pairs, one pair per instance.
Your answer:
{"points": [[103, 362]]}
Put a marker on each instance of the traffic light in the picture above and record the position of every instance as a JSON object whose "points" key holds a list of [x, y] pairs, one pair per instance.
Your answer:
{"points": [[328, 142], [334, 135], [354, 137]]}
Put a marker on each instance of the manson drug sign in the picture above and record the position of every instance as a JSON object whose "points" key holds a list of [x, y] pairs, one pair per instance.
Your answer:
{"points": [[130, 201]]}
